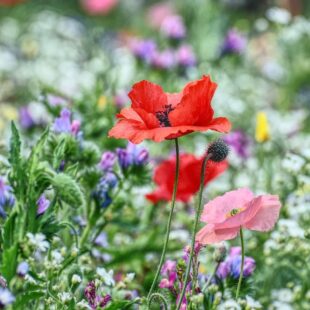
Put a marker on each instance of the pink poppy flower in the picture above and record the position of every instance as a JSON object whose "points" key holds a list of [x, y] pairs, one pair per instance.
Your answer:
{"points": [[225, 215]]}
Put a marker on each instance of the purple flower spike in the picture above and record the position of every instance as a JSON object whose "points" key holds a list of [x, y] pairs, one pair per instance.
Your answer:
{"points": [[185, 56], [6, 297], [234, 43], [42, 204], [22, 269], [164, 60], [239, 142], [107, 161], [62, 124], [173, 27], [25, 118], [105, 300], [143, 49], [235, 265], [6, 197], [75, 127]]}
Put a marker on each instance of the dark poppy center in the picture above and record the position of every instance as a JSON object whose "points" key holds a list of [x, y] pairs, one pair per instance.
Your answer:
{"points": [[162, 116]]}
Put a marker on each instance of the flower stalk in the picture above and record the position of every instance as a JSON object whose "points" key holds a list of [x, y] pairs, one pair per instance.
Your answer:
{"points": [[175, 187], [198, 212], [242, 264]]}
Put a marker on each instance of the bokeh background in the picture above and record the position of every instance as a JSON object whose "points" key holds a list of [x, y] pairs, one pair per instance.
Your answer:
{"points": [[87, 55]]}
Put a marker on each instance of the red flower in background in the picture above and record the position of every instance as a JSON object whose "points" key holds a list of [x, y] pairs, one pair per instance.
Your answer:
{"points": [[98, 7], [189, 178], [157, 115], [10, 2]]}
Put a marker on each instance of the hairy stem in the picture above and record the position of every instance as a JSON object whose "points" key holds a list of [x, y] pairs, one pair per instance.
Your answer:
{"points": [[163, 255], [242, 264], [197, 217]]}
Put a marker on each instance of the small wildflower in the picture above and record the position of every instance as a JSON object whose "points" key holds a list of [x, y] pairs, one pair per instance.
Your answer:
{"points": [[76, 279], [262, 132], [6, 297], [6, 197], [106, 276], [43, 203], [107, 161], [22, 269], [38, 241], [173, 27]]}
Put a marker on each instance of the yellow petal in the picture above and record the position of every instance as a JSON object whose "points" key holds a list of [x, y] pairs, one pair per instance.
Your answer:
{"points": [[262, 132]]}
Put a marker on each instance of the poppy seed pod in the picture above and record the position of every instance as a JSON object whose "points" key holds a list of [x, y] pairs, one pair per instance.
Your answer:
{"points": [[218, 150]]}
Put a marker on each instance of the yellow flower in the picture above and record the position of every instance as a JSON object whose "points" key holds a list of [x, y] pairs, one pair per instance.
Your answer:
{"points": [[262, 132], [102, 102]]}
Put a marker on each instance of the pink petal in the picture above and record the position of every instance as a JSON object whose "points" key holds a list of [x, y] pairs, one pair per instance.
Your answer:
{"points": [[208, 234], [268, 213], [217, 209]]}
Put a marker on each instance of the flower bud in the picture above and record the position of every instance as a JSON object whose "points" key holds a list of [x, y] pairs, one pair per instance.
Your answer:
{"points": [[218, 150], [220, 253]]}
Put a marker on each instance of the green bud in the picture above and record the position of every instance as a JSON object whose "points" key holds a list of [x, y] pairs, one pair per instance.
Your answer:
{"points": [[68, 190]]}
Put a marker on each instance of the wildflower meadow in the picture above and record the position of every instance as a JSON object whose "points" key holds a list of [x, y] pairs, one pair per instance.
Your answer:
{"points": [[154, 154]]}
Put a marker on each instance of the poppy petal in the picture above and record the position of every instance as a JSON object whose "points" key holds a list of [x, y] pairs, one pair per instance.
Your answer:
{"points": [[148, 96], [267, 215]]}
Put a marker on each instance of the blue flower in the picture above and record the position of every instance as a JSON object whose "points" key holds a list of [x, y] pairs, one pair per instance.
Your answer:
{"points": [[106, 183], [133, 155], [6, 197], [42, 204]]}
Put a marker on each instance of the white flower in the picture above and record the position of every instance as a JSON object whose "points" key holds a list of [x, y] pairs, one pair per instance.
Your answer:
{"points": [[6, 297], [229, 305], [82, 305], [130, 277], [76, 279], [38, 241], [252, 304], [107, 277], [65, 297], [278, 15]]}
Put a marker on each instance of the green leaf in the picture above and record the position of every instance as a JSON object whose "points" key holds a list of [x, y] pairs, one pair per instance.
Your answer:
{"points": [[120, 304], [27, 296], [68, 190], [9, 262], [8, 230]]}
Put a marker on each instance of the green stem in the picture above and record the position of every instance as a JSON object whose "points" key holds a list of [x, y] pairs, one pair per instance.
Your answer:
{"points": [[197, 217], [176, 181], [242, 264], [210, 278]]}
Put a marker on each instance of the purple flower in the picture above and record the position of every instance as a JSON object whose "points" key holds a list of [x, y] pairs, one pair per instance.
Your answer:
{"points": [[55, 101], [42, 204], [6, 297], [90, 294], [168, 267], [22, 269], [6, 197], [75, 127], [143, 49], [223, 270], [235, 250], [105, 300], [173, 27], [235, 265], [185, 56], [133, 155], [107, 161], [63, 124], [164, 60], [234, 43], [106, 183], [25, 118], [239, 142], [102, 240], [170, 275]]}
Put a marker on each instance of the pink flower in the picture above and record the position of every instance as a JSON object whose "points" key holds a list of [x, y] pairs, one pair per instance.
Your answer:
{"points": [[225, 215], [95, 7], [158, 12]]}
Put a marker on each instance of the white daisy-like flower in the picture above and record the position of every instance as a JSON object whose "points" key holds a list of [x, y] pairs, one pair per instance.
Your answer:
{"points": [[106, 276], [38, 241]]}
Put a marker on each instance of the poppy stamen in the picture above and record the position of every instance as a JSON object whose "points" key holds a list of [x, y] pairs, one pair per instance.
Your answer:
{"points": [[162, 116]]}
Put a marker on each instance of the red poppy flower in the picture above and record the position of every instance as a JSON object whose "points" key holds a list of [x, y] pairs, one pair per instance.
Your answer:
{"points": [[157, 115], [189, 177]]}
